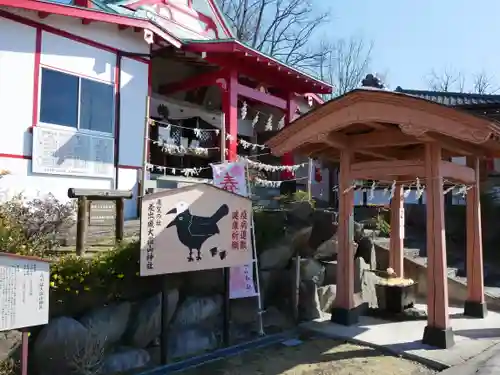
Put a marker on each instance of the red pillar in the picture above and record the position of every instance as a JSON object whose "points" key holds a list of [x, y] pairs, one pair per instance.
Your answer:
{"points": [[230, 110], [344, 310], [475, 305], [438, 332], [290, 114], [396, 251]]}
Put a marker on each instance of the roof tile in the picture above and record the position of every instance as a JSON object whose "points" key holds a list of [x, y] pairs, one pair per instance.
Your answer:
{"points": [[453, 99]]}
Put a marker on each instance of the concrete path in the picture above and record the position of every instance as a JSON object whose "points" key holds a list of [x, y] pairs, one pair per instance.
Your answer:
{"points": [[473, 337], [487, 363]]}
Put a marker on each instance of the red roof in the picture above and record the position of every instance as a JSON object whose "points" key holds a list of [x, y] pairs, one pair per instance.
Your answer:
{"points": [[227, 53], [90, 15], [231, 53]]}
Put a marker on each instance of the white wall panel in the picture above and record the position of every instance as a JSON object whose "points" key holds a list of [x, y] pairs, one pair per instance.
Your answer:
{"points": [[107, 34], [133, 92], [78, 58], [17, 61], [127, 180]]}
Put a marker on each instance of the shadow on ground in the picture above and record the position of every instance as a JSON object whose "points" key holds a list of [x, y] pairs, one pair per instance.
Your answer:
{"points": [[315, 355]]}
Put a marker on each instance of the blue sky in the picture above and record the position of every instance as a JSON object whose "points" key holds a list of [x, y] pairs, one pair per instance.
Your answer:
{"points": [[413, 37]]}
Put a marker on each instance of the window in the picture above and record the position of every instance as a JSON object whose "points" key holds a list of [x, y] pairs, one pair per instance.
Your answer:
{"points": [[76, 102]]}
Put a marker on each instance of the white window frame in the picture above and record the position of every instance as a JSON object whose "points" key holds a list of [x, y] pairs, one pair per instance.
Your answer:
{"points": [[67, 127]]}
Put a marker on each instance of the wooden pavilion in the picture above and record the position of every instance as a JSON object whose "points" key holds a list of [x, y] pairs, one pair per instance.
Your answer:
{"points": [[386, 136]]}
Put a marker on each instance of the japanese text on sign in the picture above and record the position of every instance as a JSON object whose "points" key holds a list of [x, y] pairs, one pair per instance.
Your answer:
{"points": [[235, 226], [229, 183], [24, 289], [243, 229], [151, 236], [158, 213]]}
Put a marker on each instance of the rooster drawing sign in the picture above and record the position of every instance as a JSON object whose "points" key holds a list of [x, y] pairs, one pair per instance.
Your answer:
{"points": [[194, 230]]}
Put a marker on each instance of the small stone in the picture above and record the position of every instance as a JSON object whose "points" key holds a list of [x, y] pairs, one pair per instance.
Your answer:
{"points": [[109, 322], [186, 342], [198, 310], [326, 296], [145, 324], [276, 257], [327, 250], [125, 360], [309, 305], [324, 227], [58, 344], [312, 270], [300, 242]]}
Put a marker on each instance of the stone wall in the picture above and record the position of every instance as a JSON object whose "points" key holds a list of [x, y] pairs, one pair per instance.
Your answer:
{"points": [[88, 334]]}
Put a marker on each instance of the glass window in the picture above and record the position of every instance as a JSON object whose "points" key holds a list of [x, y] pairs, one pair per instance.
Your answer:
{"points": [[80, 103], [96, 106], [59, 98]]}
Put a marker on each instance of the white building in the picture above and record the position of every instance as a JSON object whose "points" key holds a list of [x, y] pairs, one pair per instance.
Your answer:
{"points": [[74, 81]]}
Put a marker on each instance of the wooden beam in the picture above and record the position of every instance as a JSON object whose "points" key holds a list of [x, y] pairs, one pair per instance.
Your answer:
{"points": [[458, 146], [386, 138], [261, 97], [457, 172], [342, 142], [200, 80], [373, 169], [309, 148]]}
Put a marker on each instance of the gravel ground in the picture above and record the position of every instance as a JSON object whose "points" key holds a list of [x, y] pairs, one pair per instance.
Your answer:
{"points": [[315, 356]]}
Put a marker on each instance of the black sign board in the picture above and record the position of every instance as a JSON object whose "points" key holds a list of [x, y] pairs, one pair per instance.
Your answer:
{"points": [[102, 213]]}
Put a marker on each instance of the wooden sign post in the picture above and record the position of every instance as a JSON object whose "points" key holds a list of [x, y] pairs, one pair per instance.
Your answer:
{"points": [[193, 228], [24, 296], [85, 196]]}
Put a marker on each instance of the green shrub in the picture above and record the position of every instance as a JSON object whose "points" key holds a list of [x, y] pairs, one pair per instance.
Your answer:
{"points": [[105, 273], [297, 197], [382, 226], [30, 227]]}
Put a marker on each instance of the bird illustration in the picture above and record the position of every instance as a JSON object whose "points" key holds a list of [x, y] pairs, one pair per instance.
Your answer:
{"points": [[193, 230]]}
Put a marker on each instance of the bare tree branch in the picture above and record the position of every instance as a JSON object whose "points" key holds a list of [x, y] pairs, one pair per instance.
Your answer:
{"points": [[450, 80], [446, 81], [283, 29], [345, 64], [483, 83]]}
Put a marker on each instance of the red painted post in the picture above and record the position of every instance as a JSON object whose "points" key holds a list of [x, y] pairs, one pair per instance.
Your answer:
{"points": [[230, 110], [24, 351], [475, 305], [290, 114]]}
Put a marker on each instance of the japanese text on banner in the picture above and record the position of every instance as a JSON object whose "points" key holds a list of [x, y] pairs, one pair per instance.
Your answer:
{"points": [[232, 177]]}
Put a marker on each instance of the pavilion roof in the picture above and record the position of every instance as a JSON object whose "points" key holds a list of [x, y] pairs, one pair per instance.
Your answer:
{"points": [[383, 125]]}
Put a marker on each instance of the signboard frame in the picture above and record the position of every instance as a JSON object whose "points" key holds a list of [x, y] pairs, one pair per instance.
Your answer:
{"points": [[24, 270], [89, 155], [160, 227]]}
